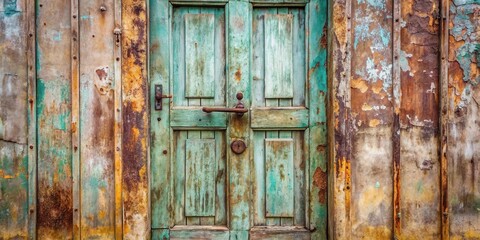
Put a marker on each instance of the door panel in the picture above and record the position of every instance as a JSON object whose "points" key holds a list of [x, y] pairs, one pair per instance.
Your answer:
{"points": [[216, 51]]}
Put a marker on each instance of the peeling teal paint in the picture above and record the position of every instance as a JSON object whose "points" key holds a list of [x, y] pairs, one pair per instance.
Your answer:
{"points": [[404, 65], [370, 31], [378, 4], [10, 7], [465, 28]]}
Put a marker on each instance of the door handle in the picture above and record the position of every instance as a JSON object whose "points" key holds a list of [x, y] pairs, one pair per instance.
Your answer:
{"points": [[159, 96], [239, 109]]}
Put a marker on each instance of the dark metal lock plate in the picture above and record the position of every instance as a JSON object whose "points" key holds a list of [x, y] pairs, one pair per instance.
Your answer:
{"points": [[238, 146]]}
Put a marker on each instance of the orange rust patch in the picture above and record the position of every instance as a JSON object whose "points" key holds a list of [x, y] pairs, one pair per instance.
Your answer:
{"points": [[238, 75], [320, 181], [360, 85], [374, 123]]}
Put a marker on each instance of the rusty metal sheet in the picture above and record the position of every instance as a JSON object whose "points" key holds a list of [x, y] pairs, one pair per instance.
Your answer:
{"points": [[136, 224], [55, 199], [463, 120], [419, 171]]}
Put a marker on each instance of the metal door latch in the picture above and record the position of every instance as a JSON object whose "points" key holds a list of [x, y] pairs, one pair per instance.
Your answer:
{"points": [[159, 96]]}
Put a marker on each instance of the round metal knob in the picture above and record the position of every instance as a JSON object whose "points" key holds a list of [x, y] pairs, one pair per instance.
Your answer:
{"points": [[238, 146]]}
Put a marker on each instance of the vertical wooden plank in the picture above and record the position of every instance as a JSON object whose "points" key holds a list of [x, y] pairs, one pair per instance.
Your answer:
{"points": [[461, 203], [211, 219], [200, 178], [299, 52], [199, 57], [194, 11], [135, 142], [54, 100], [178, 52], [32, 119], [279, 177], [300, 185], [288, 221], [191, 220], [317, 82], [160, 151], [221, 194], [340, 150], [269, 221], [14, 122], [76, 124], [97, 119], [178, 198], [258, 63], [258, 177], [418, 68], [238, 79], [278, 56], [287, 102]]}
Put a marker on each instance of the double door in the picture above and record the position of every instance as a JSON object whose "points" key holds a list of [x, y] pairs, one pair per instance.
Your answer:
{"points": [[238, 131]]}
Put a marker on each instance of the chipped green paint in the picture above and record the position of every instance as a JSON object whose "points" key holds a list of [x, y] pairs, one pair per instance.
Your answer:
{"points": [[10, 7]]}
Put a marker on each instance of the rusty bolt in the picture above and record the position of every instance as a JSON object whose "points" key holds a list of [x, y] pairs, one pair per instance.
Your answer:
{"points": [[164, 151], [103, 8], [31, 146]]}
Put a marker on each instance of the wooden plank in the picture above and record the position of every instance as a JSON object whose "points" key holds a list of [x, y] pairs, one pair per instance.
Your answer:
{"points": [[238, 74], [178, 52], [269, 221], [200, 177], [299, 59], [288, 221], [15, 198], [178, 182], [199, 232], [199, 56], [300, 186], [278, 56], [196, 118], [191, 101], [219, 56], [135, 144], [282, 233], [317, 142], [279, 177], [258, 177], [161, 138], [54, 166], [221, 188], [97, 120], [275, 118], [258, 63]]}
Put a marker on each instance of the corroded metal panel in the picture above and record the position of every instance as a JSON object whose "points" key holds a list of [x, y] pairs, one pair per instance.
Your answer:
{"points": [[463, 123], [14, 202], [135, 120]]}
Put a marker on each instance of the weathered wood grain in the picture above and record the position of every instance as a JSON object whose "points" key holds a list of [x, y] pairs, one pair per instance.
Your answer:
{"points": [[281, 233], [199, 56], [275, 118]]}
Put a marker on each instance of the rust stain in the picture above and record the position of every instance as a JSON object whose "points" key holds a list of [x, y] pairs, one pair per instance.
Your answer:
{"points": [[238, 75], [320, 180]]}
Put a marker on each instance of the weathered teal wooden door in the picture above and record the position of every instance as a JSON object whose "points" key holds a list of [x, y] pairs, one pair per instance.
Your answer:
{"points": [[204, 185]]}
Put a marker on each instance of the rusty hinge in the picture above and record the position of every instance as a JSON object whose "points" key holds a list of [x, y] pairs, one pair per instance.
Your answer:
{"points": [[117, 32]]}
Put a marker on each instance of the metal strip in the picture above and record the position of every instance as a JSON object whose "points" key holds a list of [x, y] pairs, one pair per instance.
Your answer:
{"points": [[444, 119], [75, 91], [32, 120], [117, 66], [396, 118]]}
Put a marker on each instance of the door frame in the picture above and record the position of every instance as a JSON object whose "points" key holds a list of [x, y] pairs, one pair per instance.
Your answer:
{"points": [[159, 68]]}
